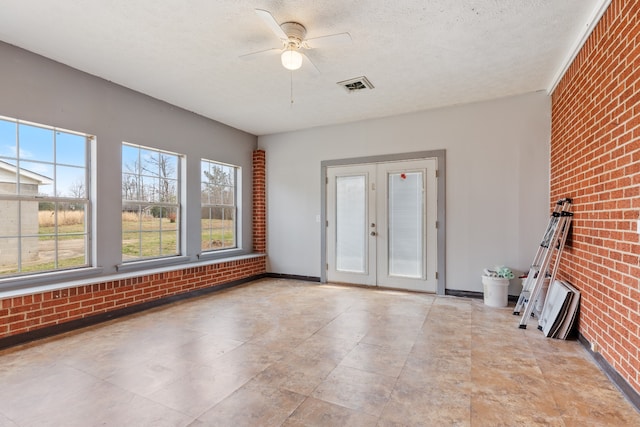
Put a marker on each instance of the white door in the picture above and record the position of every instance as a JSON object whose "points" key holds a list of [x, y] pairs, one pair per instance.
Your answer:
{"points": [[381, 224], [351, 224]]}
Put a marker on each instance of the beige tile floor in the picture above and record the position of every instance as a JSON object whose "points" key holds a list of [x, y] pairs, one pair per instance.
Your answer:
{"points": [[283, 352]]}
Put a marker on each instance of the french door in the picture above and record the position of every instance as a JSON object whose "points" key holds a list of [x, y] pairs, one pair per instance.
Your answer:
{"points": [[381, 224]]}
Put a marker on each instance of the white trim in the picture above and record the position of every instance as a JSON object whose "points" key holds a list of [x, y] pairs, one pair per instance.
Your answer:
{"points": [[21, 285], [33, 288], [140, 264], [219, 253], [593, 20]]}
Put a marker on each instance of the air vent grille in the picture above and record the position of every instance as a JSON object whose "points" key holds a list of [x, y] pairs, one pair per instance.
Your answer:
{"points": [[356, 84]]}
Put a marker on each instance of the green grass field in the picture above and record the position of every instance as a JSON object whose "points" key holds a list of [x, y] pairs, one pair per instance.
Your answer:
{"points": [[153, 237]]}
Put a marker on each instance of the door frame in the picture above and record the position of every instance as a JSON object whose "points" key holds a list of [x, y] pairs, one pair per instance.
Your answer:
{"points": [[440, 217]]}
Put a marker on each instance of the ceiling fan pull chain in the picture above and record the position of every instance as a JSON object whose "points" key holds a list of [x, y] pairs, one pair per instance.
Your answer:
{"points": [[291, 89]]}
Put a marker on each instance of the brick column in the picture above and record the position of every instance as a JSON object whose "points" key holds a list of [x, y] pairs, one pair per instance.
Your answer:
{"points": [[259, 202]]}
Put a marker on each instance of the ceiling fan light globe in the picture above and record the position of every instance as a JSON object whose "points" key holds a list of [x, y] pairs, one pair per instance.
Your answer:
{"points": [[291, 59]]}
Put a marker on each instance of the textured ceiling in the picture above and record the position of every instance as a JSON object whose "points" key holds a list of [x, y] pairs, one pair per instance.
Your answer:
{"points": [[418, 54]]}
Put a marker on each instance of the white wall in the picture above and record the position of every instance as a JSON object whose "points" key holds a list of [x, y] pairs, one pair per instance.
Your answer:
{"points": [[40, 90], [497, 203]]}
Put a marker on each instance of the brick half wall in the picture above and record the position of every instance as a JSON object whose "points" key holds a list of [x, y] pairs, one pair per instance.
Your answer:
{"points": [[28, 313]]}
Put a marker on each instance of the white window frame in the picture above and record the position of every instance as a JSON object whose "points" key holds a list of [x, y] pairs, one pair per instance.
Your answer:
{"points": [[208, 201], [85, 200], [177, 256]]}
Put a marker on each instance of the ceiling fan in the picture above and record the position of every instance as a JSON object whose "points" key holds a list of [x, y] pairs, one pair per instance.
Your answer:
{"points": [[292, 35]]}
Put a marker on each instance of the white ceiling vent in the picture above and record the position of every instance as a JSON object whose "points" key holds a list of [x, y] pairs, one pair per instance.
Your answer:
{"points": [[356, 84]]}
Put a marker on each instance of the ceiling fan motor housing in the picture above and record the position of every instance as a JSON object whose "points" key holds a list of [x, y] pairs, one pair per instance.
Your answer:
{"points": [[295, 31]]}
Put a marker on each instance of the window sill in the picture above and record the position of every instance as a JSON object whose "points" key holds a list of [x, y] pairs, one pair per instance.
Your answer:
{"points": [[220, 254], [22, 285], [151, 263], [64, 280]]}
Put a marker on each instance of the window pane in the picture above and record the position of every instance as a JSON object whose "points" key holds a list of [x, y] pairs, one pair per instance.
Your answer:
{"points": [[10, 214], [39, 221], [217, 231], [72, 259], [169, 243], [130, 216], [36, 178], [152, 189], [168, 167], [9, 232], [204, 196], [130, 245], [149, 163], [9, 255], [72, 241], [129, 187], [71, 149], [150, 242], [406, 212], [35, 143], [216, 195], [169, 219], [351, 226], [229, 236], [8, 139], [37, 255], [130, 160], [205, 170], [9, 178], [171, 192], [70, 182], [70, 218], [34, 215], [207, 235], [228, 196]]}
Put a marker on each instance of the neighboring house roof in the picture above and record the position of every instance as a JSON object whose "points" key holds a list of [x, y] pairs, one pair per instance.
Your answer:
{"points": [[8, 174]]}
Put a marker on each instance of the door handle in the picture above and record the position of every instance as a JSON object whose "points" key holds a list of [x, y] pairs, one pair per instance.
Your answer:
{"points": [[373, 233]]}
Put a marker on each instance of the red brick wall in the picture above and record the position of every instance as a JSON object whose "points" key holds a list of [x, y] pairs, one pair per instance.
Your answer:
{"points": [[259, 202], [27, 313], [595, 159]]}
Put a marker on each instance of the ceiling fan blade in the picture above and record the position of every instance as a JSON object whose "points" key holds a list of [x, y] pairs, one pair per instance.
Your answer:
{"points": [[327, 41], [308, 64], [261, 53], [271, 22]]}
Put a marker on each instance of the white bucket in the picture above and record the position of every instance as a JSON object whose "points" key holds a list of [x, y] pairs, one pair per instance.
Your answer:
{"points": [[496, 291]]}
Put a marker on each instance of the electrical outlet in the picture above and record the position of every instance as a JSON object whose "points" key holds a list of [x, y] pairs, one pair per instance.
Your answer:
{"points": [[595, 347]]}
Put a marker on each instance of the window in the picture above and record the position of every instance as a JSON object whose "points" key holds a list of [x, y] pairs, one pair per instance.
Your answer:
{"points": [[44, 198], [150, 203], [218, 195]]}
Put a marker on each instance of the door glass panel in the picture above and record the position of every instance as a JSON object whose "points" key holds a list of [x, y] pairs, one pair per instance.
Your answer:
{"points": [[351, 226], [406, 225]]}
